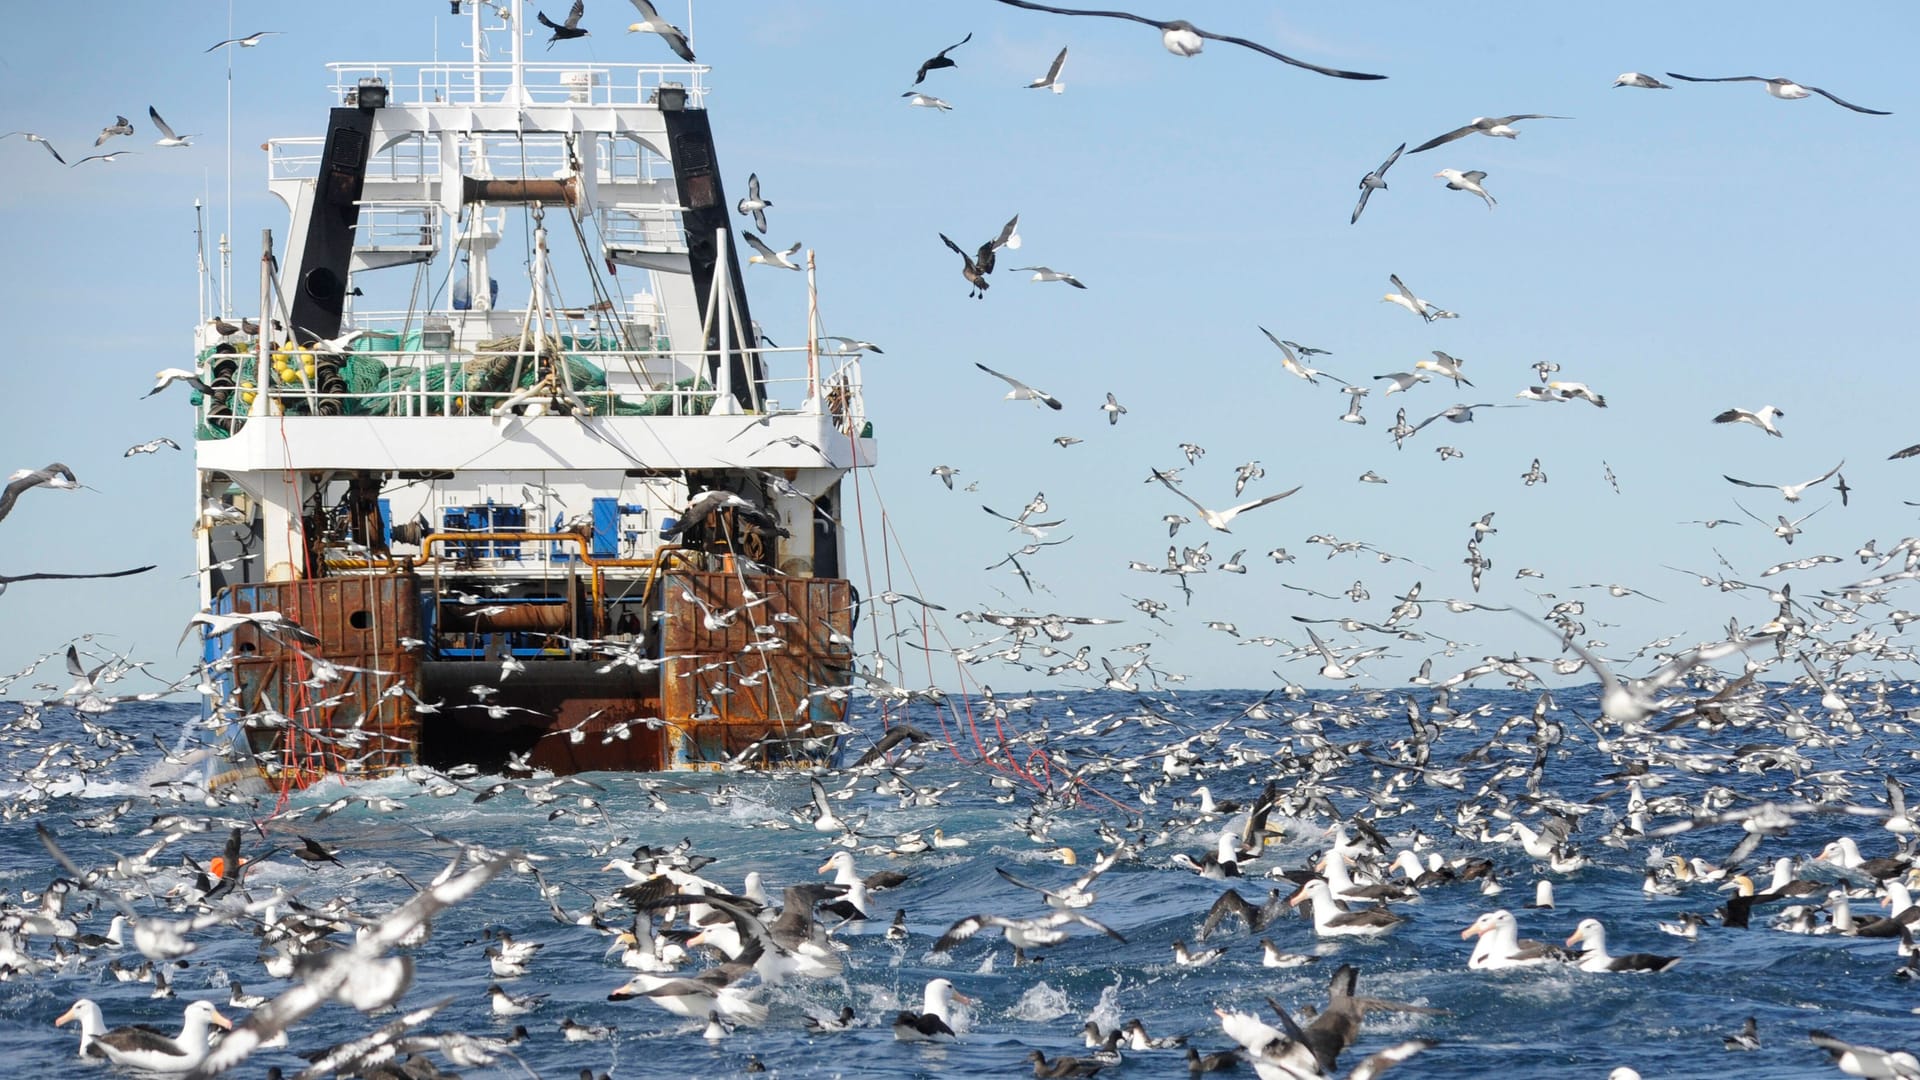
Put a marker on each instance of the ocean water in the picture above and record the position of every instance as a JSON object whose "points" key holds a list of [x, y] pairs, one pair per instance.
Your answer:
{"points": [[1555, 1023]]}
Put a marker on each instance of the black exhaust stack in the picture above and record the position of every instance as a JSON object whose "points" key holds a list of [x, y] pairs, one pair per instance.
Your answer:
{"points": [[696, 173], [320, 295]]}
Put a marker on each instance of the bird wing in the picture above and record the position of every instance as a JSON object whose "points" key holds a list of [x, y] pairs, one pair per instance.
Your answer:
{"points": [[546, 22], [1730, 78], [1175, 488], [753, 184], [1404, 291], [1281, 345], [1391, 158], [573, 16], [1257, 503], [1048, 893], [1230, 903], [8, 579], [154, 115], [1824, 477], [1006, 232], [1441, 140], [1053, 70], [1910, 451], [1030, 6], [943, 52], [1749, 483], [1733, 416], [1528, 116], [958, 250], [1475, 176], [1393, 1055], [1008, 379], [1284, 58], [758, 245], [1365, 194], [1847, 104]]}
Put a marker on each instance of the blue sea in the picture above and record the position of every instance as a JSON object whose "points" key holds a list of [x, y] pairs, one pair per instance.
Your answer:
{"points": [[1546, 1023]]}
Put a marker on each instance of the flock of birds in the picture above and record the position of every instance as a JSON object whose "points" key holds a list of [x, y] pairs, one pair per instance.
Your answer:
{"points": [[1435, 807]]}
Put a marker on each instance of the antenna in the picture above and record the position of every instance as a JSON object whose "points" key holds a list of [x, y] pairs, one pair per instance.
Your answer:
{"points": [[226, 261], [200, 255]]}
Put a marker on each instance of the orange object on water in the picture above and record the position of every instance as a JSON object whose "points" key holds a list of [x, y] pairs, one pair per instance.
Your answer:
{"points": [[218, 867]]}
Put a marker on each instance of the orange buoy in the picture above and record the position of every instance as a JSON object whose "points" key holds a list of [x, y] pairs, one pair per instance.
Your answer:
{"points": [[218, 867]]}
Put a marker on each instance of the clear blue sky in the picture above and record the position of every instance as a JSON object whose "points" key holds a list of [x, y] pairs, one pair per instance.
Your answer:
{"points": [[1681, 251]]}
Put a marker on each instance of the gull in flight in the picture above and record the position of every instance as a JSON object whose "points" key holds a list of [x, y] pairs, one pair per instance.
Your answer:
{"points": [[1791, 491], [926, 101], [1467, 181], [939, 60], [151, 446], [120, 126], [1293, 365], [1021, 391], [1404, 297], [753, 205], [1375, 181], [55, 475], [1182, 38], [1761, 418], [1785, 90], [1459, 414], [247, 42], [1644, 82], [1051, 80], [1629, 703], [42, 140], [651, 23], [769, 257], [167, 137], [1219, 519], [1500, 126], [1046, 273]]}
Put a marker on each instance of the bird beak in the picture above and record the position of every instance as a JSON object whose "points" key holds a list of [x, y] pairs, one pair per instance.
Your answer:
{"points": [[962, 998], [624, 991], [70, 1014], [824, 867], [1576, 936], [1471, 931], [221, 1020]]}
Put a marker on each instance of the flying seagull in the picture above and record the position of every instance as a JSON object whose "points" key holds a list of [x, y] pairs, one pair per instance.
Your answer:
{"points": [[9, 579], [1375, 181], [167, 137], [42, 140], [1182, 38], [55, 475], [651, 23], [1501, 126], [1047, 273], [926, 101], [151, 446], [1466, 181], [1021, 391], [109, 158], [939, 60], [1791, 491], [1784, 89], [1644, 82], [247, 42], [753, 205], [120, 126], [1218, 520], [564, 31], [766, 256], [1051, 80]]}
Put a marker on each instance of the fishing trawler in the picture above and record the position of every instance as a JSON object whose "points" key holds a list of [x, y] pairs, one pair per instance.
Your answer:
{"points": [[587, 520]]}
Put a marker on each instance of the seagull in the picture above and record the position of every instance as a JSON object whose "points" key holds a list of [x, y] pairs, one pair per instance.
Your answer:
{"points": [[946, 474], [167, 137], [1182, 38], [753, 205], [1644, 82], [1866, 1060], [1791, 491], [1294, 367], [1467, 181], [1784, 89], [566, 30], [247, 42], [151, 446], [926, 101], [1113, 409], [853, 345], [42, 140], [1021, 391], [651, 23], [1404, 297], [1459, 414], [1501, 126], [939, 59], [766, 256], [1375, 181], [120, 126], [1046, 273], [55, 475], [109, 158], [1051, 80], [1219, 519], [1761, 418]]}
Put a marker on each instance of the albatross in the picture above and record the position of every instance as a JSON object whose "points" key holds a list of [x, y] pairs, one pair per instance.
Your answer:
{"points": [[1467, 181], [1497, 126], [144, 1048], [1182, 38], [1021, 391], [1784, 89], [1596, 958], [934, 1021], [54, 475]]}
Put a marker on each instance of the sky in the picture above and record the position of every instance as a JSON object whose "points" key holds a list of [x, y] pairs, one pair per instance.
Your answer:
{"points": [[1680, 251]]}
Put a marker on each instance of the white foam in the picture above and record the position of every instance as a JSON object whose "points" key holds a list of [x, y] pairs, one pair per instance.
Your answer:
{"points": [[1041, 1003]]}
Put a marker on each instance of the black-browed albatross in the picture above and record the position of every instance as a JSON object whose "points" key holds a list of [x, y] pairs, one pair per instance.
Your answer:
{"points": [[1182, 38]]}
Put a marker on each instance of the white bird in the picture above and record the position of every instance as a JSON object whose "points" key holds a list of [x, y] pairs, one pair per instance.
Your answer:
{"points": [[1182, 38], [1021, 391], [120, 126], [769, 257], [1375, 181], [151, 446], [247, 42], [1219, 519], [934, 1022], [1498, 126], [1113, 409], [1293, 365], [144, 1049], [1762, 418], [1404, 297], [1045, 273], [1051, 80], [1644, 82], [1570, 390], [753, 205], [42, 140], [651, 23], [166, 377], [926, 101], [1785, 90], [1447, 367], [1870, 1061], [167, 137], [1467, 181], [1791, 491]]}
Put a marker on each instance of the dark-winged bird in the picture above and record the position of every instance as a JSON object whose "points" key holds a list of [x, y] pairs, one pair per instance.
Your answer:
{"points": [[939, 59], [570, 28], [1182, 38]]}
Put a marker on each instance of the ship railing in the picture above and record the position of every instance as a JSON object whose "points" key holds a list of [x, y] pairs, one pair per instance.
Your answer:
{"points": [[621, 161], [398, 225], [540, 82], [397, 373]]}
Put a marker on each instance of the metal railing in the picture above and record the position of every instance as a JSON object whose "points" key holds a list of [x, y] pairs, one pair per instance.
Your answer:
{"points": [[543, 82]]}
